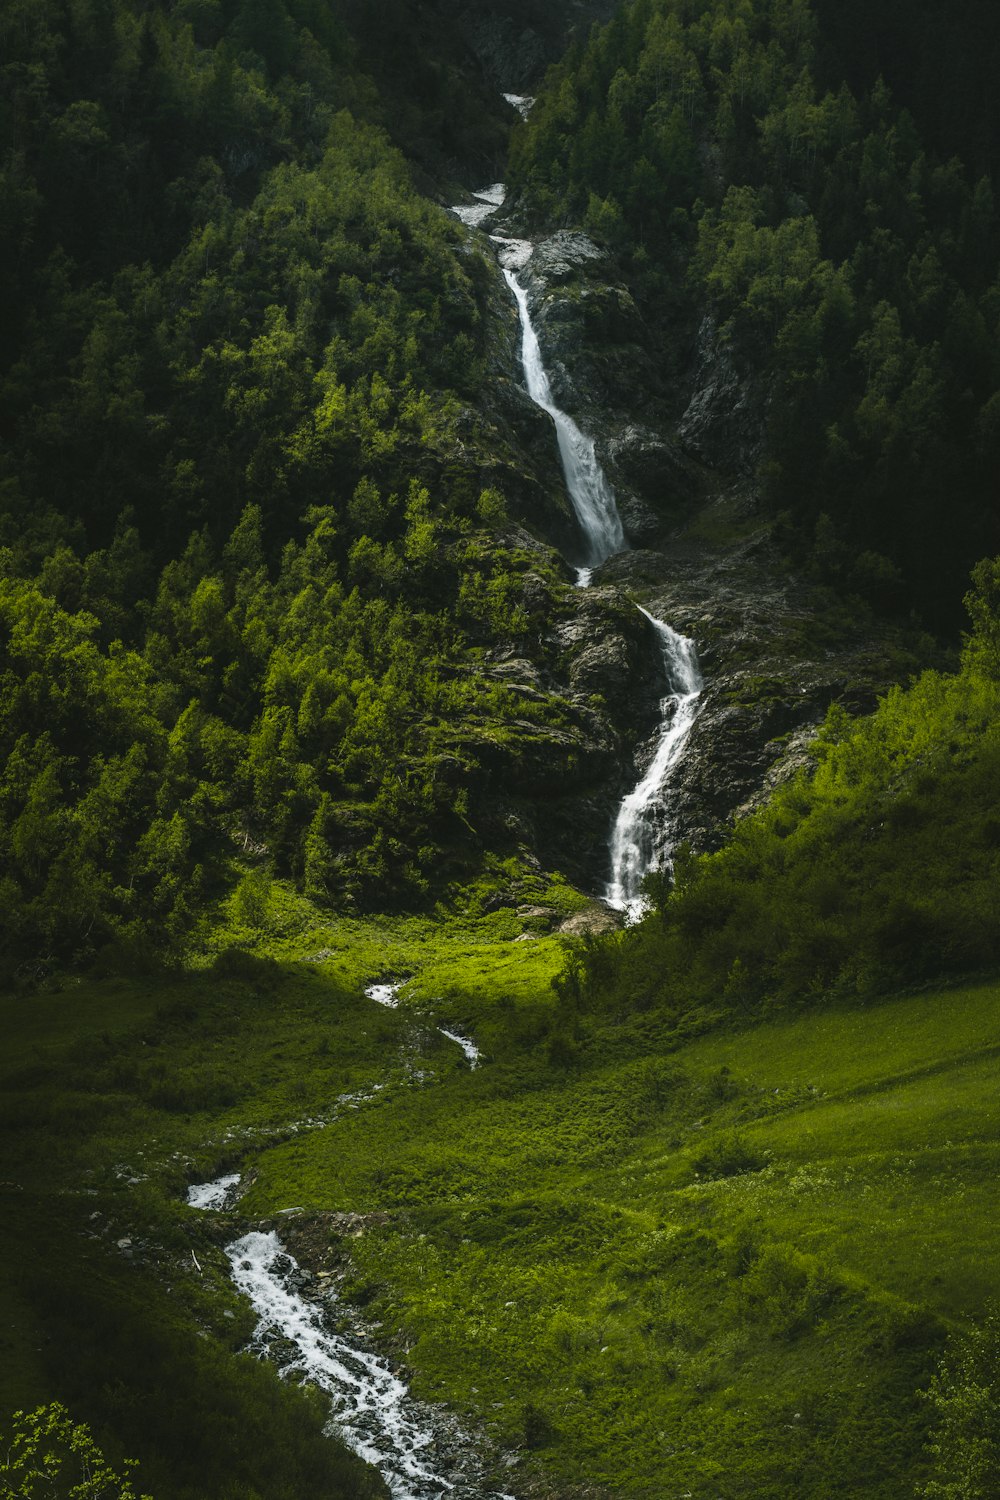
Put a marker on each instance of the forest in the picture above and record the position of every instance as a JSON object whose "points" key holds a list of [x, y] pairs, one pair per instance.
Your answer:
{"points": [[723, 153], [292, 704]]}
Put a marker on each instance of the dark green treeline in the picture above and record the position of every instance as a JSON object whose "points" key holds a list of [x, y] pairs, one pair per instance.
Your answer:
{"points": [[750, 160]]}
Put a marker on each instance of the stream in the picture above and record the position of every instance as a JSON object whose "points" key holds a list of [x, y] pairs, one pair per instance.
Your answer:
{"points": [[420, 1451], [642, 837], [388, 994]]}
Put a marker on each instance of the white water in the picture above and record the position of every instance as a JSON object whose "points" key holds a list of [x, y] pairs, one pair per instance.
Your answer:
{"points": [[589, 491], [371, 1404], [513, 254], [521, 102], [373, 1410], [469, 1048], [213, 1195], [388, 994], [591, 494], [490, 199], [385, 994], [641, 841]]}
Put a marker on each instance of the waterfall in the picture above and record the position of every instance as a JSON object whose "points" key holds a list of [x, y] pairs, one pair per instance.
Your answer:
{"points": [[589, 491], [640, 840]]}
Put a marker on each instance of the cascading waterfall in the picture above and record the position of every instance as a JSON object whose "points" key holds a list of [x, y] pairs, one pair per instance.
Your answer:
{"points": [[641, 839], [374, 1410], [408, 1442], [591, 495]]}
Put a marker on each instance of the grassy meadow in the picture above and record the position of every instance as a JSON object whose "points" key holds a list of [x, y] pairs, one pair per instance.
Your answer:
{"points": [[657, 1263]]}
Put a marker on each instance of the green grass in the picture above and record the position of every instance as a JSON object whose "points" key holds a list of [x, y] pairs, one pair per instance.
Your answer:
{"points": [[116, 1092], [568, 1258], [718, 1264]]}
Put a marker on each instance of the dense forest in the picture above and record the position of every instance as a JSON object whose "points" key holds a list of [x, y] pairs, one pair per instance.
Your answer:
{"points": [[246, 567], [286, 650], [751, 162]]}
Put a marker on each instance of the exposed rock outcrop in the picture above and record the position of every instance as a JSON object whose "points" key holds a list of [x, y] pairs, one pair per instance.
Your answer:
{"points": [[725, 420], [773, 654], [591, 330], [775, 651]]}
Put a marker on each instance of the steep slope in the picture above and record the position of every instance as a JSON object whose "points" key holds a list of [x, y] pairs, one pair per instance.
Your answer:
{"points": [[263, 462], [816, 285]]}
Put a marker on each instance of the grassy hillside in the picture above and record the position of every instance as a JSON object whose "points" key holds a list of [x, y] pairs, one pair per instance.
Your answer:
{"points": [[718, 1264], [715, 1267], [114, 1093], [876, 867]]}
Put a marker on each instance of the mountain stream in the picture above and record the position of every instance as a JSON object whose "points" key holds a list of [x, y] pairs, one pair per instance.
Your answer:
{"points": [[410, 1443], [641, 839]]}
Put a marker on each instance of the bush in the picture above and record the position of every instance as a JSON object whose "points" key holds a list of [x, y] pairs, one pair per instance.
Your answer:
{"points": [[47, 1452], [964, 1397], [730, 1156]]}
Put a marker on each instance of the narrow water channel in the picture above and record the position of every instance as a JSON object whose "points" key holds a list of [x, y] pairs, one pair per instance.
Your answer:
{"points": [[421, 1452]]}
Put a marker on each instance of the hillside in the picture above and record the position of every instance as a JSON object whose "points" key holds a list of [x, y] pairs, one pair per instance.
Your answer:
{"points": [[819, 272], [499, 672]]}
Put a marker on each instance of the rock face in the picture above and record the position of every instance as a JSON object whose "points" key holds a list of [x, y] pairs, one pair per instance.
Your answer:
{"points": [[725, 419], [655, 480], [554, 791], [772, 658], [774, 652], [590, 329], [602, 372]]}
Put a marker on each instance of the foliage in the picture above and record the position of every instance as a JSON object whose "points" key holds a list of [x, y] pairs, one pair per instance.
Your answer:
{"points": [[965, 1398], [545, 1251], [565, 1254], [876, 868], [47, 1453], [247, 578], [849, 270]]}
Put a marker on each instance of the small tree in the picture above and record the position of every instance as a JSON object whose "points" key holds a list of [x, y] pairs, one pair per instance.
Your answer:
{"points": [[47, 1454]]}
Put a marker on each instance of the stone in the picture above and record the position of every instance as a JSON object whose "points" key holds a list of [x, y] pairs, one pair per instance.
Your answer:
{"points": [[562, 256], [654, 467], [595, 918]]}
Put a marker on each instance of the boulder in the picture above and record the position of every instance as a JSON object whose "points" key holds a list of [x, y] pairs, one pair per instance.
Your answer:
{"points": [[593, 918]]}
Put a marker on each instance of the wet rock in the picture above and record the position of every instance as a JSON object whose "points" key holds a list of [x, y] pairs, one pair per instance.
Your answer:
{"points": [[609, 650], [655, 481], [641, 522], [772, 664], [591, 331]]}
